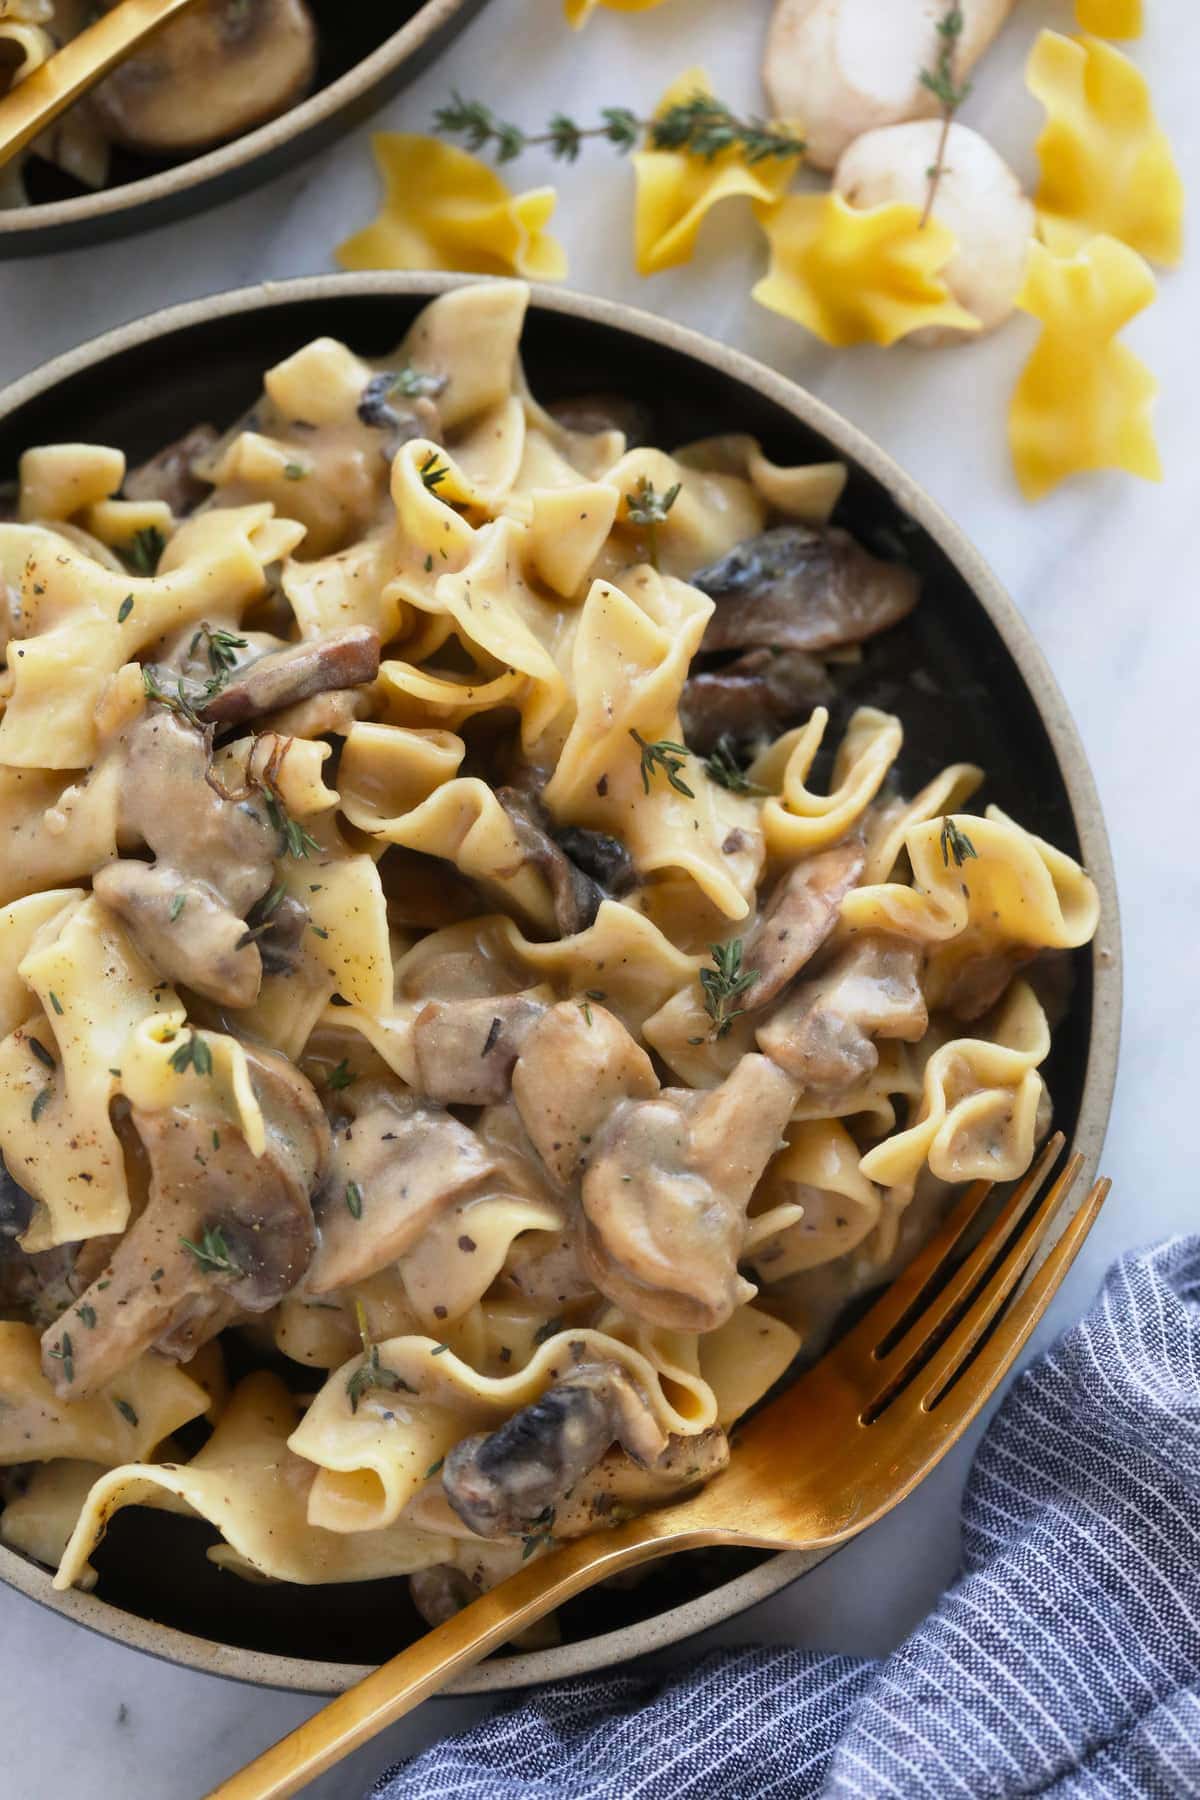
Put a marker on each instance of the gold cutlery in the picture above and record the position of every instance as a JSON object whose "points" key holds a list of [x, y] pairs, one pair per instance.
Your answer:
{"points": [[849, 1440]]}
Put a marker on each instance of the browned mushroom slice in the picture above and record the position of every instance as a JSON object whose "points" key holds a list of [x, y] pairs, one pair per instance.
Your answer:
{"points": [[798, 589], [184, 929], [575, 895], [978, 981], [800, 914], [758, 695], [224, 1234], [397, 1164], [166, 802], [343, 659], [465, 1049], [218, 71], [823, 1033], [168, 474], [573, 1068], [507, 1482], [281, 936], [666, 1190], [617, 1486], [593, 413], [440, 1592]]}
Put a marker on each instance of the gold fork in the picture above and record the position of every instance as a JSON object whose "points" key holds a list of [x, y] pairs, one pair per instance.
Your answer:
{"points": [[838, 1449], [37, 101]]}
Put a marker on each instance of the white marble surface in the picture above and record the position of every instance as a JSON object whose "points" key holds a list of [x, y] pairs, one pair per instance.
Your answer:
{"points": [[1104, 571]]}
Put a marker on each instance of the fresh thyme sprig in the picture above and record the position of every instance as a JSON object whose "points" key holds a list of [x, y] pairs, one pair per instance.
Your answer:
{"points": [[296, 841], [956, 844], [700, 126], [222, 647], [371, 1373], [213, 1253], [193, 1053], [646, 506], [723, 767], [179, 702], [664, 755], [949, 94], [143, 550], [723, 983]]}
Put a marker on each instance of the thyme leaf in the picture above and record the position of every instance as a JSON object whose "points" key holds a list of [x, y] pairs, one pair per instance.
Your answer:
{"points": [[63, 1353], [723, 983], [126, 1411], [956, 844], [723, 767], [222, 647], [193, 1053], [341, 1075], [664, 755], [354, 1200], [432, 471], [144, 549], [213, 1253], [646, 506]]}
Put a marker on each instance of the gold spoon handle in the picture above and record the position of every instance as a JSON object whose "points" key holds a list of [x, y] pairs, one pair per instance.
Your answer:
{"points": [[37, 101], [399, 1685]]}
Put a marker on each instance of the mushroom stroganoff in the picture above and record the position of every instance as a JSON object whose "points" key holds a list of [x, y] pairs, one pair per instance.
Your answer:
{"points": [[430, 966], [220, 70]]}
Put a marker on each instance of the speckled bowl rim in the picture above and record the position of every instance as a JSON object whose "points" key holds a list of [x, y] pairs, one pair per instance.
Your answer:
{"points": [[213, 165], [305, 1675]]}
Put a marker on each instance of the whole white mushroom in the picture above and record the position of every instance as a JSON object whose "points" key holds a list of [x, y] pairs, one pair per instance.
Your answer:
{"points": [[977, 197], [843, 67]]}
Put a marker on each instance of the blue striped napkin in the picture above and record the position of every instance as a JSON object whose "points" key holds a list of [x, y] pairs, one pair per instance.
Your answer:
{"points": [[1065, 1661]]}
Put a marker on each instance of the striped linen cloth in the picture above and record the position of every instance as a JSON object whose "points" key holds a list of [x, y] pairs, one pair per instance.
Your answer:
{"points": [[1065, 1661]]}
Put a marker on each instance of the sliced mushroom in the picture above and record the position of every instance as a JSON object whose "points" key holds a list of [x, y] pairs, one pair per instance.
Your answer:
{"points": [[604, 859], [573, 1069], [342, 659], [167, 803], [843, 67], [440, 1592], [397, 1164], [224, 1234], [281, 937], [466, 1049], [16, 1207], [575, 895], [823, 1034], [800, 914], [217, 72], [793, 588], [617, 1486], [666, 1190], [593, 413], [184, 929], [385, 406], [507, 1482], [978, 198], [978, 982], [168, 476], [755, 697], [214, 858]]}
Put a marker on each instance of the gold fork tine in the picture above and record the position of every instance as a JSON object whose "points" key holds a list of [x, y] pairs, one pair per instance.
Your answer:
{"points": [[980, 1376], [1011, 1227], [915, 1287]]}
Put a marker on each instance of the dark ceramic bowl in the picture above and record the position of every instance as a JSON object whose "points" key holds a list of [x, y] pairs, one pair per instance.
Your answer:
{"points": [[983, 693], [368, 50]]}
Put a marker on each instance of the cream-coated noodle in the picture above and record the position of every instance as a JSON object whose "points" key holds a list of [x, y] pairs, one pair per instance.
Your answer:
{"points": [[428, 953]]}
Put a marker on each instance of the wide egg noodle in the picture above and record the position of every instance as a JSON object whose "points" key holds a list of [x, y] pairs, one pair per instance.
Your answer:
{"points": [[246, 1482], [122, 1422]]}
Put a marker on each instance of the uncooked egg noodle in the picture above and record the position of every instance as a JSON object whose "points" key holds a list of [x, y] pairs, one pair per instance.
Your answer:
{"points": [[455, 938]]}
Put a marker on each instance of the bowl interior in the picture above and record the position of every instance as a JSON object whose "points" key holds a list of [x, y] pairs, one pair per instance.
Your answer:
{"points": [[946, 671], [346, 34]]}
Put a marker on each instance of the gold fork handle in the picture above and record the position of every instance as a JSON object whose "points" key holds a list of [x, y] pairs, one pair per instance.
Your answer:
{"points": [[399, 1685], [37, 101]]}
